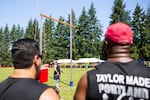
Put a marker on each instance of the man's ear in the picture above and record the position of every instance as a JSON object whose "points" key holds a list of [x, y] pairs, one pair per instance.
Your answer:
{"points": [[105, 45], [36, 59]]}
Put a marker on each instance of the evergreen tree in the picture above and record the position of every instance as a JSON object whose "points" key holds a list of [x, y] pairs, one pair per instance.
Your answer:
{"points": [[148, 26], [32, 30], [1, 45], [89, 34], [19, 32], [29, 30], [6, 47], [49, 40], [13, 34], [146, 37], [36, 29], [119, 14], [95, 33], [82, 35], [60, 46], [16, 33], [139, 26]]}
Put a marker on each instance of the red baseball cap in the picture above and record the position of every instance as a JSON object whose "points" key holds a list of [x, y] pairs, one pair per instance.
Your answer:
{"points": [[119, 33]]}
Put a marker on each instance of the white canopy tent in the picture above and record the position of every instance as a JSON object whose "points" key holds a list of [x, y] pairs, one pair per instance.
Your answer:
{"points": [[89, 60], [64, 61]]}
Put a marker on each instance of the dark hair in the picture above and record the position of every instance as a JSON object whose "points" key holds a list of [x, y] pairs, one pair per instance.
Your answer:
{"points": [[23, 52]]}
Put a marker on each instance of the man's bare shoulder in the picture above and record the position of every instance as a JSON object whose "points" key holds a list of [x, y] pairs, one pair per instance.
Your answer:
{"points": [[80, 93], [49, 94]]}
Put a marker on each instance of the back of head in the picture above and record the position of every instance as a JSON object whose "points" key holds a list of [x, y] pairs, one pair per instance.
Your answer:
{"points": [[23, 52], [118, 40], [119, 33]]}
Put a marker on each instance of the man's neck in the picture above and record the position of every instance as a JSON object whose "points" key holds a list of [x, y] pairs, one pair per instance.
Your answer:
{"points": [[24, 73], [120, 54], [120, 58]]}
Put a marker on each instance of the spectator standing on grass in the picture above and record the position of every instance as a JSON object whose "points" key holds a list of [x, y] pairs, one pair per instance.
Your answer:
{"points": [[23, 83], [56, 73], [120, 77]]}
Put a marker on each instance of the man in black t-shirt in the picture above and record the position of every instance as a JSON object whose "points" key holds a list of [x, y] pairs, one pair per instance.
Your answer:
{"points": [[23, 83], [120, 77]]}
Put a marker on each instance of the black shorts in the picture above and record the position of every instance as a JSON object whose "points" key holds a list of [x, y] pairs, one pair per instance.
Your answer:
{"points": [[56, 76]]}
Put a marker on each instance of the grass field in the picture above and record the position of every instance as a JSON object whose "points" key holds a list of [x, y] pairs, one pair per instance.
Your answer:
{"points": [[66, 92]]}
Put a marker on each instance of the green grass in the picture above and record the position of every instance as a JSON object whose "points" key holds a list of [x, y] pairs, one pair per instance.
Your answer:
{"points": [[4, 73], [66, 92]]}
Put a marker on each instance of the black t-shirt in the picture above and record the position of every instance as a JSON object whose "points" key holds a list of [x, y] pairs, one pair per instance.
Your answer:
{"points": [[21, 89], [56, 75], [58, 70], [119, 81]]}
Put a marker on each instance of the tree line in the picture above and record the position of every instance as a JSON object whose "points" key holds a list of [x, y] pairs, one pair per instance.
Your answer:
{"points": [[86, 36]]}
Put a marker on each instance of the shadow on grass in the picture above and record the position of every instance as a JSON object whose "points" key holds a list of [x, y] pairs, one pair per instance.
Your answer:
{"points": [[67, 84], [64, 83]]}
